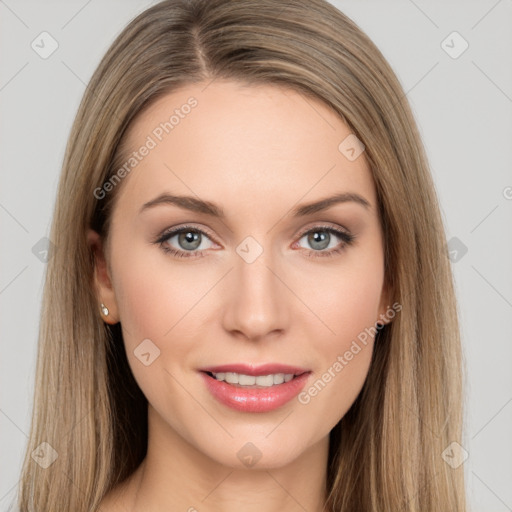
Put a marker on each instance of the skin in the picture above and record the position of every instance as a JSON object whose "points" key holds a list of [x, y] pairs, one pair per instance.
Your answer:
{"points": [[258, 152]]}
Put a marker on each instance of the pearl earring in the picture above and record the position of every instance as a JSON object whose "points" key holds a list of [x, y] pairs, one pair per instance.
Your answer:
{"points": [[104, 309]]}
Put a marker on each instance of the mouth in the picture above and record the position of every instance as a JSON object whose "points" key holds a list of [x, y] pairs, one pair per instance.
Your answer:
{"points": [[254, 389], [252, 381]]}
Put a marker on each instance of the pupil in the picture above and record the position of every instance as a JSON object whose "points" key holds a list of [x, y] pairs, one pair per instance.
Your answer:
{"points": [[319, 239], [191, 238]]}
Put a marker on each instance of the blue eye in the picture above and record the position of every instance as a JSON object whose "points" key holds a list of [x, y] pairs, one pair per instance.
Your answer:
{"points": [[190, 240], [321, 238]]}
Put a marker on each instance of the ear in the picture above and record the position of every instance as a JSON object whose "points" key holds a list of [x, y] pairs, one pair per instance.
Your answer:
{"points": [[385, 306], [102, 282]]}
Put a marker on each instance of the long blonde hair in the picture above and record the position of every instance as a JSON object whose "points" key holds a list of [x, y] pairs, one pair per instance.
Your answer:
{"points": [[386, 452]]}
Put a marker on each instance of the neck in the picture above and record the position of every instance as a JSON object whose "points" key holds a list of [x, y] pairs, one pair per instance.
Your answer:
{"points": [[176, 476]]}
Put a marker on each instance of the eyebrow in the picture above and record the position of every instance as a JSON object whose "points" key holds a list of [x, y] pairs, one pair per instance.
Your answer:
{"points": [[199, 206]]}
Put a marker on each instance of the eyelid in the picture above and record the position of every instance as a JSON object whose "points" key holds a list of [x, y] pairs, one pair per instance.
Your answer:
{"points": [[324, 225], [341, 232], [177, 229], [167, 233]]}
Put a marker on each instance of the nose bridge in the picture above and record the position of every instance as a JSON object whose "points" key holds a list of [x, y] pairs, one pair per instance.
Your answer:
{"points": [[255, 304]]}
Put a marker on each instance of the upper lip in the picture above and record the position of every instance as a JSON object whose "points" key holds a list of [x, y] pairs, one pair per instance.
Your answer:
{"points": [[263, 369]]}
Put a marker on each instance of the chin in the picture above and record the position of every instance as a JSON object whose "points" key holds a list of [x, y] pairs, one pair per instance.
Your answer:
{"points": [[260, 451]]}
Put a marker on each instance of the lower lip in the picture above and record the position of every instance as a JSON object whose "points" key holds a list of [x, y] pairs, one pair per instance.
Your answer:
{"points": [[255, 399]]}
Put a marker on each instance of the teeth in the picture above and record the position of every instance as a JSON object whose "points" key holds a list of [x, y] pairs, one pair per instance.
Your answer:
{"points": [[246, 380], [251, 380], [279, 378]]}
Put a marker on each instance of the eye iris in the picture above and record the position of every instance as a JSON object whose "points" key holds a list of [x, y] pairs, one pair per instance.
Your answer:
{"points": [[319, 237], [189, 237]]}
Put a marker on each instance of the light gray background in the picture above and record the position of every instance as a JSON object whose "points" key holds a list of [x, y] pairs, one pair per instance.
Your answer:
{"points": [[463, 107]]}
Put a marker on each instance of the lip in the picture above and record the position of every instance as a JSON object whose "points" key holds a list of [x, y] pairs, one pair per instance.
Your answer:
{"points": [[257, 399], [256, 371]]}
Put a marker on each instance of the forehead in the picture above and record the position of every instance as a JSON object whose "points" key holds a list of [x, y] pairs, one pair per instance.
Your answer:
{"points": [[229, 142]]}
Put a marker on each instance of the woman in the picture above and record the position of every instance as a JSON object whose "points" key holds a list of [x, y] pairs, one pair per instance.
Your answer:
{"points": [[250, 305]]}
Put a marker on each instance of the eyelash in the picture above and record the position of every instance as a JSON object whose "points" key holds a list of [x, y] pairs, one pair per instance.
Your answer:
{"points": [[347, 239]]}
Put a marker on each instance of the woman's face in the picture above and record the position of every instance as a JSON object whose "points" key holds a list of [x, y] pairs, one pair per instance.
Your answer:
{"points": [[256, 276]]}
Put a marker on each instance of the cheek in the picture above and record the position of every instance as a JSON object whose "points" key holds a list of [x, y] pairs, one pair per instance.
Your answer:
{"points": [[349, 307], [154, 293], [161, 300], [352, 315], [153, 299], [354, 307], [346, 299]]}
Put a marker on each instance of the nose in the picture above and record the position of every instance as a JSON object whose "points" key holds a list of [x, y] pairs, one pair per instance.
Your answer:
{"points": [[256, 298]]}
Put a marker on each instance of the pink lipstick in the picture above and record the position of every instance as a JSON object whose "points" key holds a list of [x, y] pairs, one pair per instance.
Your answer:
{"points": [[250, 388]]}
